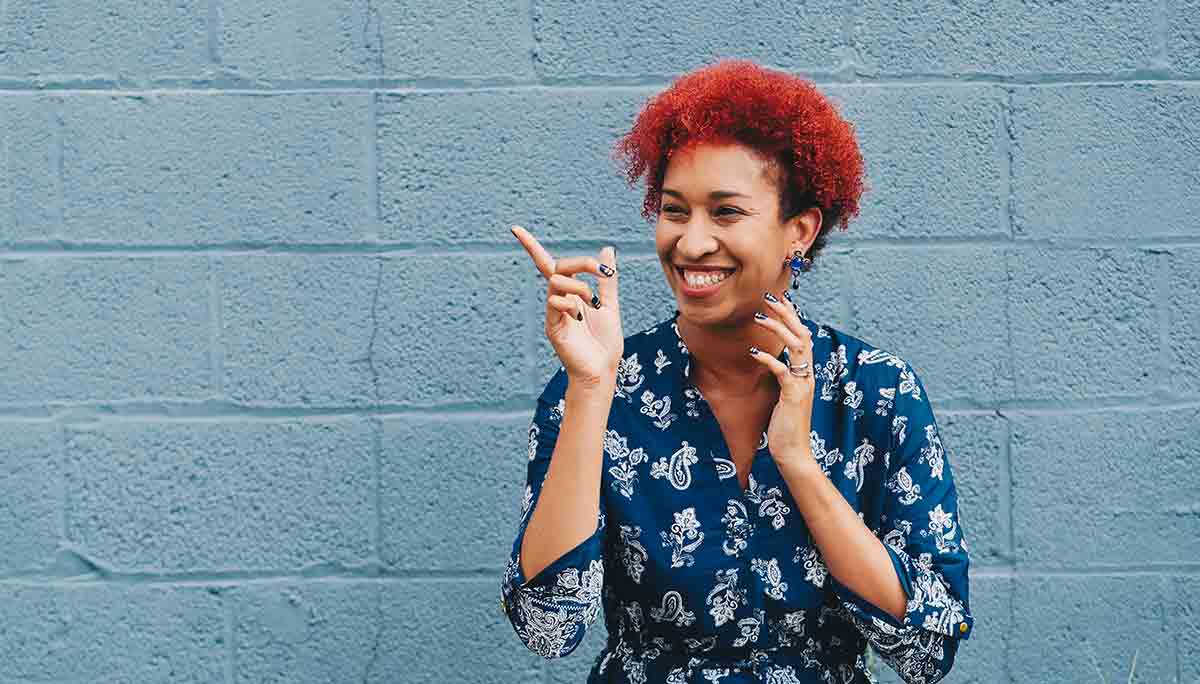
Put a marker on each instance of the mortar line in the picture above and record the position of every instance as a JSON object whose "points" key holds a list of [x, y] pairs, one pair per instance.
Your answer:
{"points": [[216, 354], [1012, 616], [165, 411], [1162, 36], [376, 213], [213, 26], [1007, 139], [369, 572], [225, 84], [58, 154], [64, 461], [377, 464], [849, 301], [63, 249], [535, 69], [230, 638], [1162, 306], [1006, 489]]}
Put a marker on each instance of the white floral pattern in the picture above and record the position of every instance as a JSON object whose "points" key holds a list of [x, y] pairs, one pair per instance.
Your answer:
{"points": [[725, 596], [770, 502], [672, 610], [856, 468], [771, 575], [718, 602], [683, 537], [677, 471], [737, 528], [633, 554], [624, 473], [658, 409]]}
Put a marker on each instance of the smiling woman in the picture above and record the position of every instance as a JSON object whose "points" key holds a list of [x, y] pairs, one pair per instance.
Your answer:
{"points": [[807, 148], [738, 516]]}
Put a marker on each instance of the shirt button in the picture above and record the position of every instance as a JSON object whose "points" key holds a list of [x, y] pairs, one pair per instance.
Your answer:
{"points": [[963, 628]]}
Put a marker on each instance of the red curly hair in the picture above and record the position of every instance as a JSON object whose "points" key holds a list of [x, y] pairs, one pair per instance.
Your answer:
{"points": [[784, 117]]}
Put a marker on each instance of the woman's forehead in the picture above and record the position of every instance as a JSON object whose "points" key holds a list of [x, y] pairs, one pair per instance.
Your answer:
{"points": [[701, 168]]}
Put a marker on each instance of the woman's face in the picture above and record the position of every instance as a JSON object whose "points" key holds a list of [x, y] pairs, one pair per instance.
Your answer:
{"points": [[720, 207]]}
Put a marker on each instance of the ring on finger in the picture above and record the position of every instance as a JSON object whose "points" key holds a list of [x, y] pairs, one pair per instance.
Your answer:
{"points": [[799, 370]]}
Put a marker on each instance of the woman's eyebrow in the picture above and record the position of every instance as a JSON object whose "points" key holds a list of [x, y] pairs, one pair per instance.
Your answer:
{"points": [[715, 194]]}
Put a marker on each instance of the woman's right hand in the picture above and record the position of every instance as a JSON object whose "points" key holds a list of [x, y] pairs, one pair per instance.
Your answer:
{"points": [[591, 348]]}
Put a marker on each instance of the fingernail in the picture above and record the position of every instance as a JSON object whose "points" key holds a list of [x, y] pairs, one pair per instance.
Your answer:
{"points": [[759, 316], [753, 350], [579, 316], [787, 296], [595, 302], [606, 270], [770, 298]]}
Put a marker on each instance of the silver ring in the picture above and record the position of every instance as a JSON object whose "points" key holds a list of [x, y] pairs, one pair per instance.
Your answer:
{"points": [[799, 370]]}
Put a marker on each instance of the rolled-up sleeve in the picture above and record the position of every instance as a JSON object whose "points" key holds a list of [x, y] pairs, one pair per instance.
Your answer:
{"points": [[922, 533], [552, 611]]}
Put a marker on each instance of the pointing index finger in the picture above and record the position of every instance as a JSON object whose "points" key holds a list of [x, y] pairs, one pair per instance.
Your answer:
{"points": [[541, 258]]}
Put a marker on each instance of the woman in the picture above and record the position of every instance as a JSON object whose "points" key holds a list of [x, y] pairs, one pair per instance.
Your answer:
{"points": [[842, 529]]}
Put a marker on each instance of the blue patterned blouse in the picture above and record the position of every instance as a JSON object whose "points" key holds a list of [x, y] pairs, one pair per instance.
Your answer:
{"points": [[701, 581]]}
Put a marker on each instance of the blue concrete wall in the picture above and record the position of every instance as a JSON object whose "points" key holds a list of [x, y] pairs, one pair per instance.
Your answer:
{"points": [[268, 349]]}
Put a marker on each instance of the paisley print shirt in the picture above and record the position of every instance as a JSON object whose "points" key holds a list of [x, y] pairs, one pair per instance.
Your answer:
{"points": [[702, 581]]}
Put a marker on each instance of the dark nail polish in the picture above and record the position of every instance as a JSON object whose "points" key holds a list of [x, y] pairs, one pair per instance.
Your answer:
{"points": [[770, 298], [606, 270], [753, 350], [579, 315], [595, 302], [759, 316]]}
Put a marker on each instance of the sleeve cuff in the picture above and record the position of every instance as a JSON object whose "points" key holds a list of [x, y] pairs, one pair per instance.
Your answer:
{"points": [[552, 611], [576, 577], [930, 609], [579, 557]]}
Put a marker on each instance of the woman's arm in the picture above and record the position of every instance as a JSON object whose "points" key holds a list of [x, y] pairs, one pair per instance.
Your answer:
{"points": [[569, 505], [922, 531], [852, 553], [552, 606]]}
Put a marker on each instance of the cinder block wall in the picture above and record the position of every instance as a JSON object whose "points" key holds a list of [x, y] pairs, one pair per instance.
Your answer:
{"points": [[268, 350]]}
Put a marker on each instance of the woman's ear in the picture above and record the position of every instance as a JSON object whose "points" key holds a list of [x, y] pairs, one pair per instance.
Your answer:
{"points": [[804, 227]]}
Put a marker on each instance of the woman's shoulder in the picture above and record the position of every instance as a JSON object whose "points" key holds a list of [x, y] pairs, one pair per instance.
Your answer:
{"points": [[842, 356]]}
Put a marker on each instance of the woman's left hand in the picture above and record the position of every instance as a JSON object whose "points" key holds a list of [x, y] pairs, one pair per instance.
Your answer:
{"points": [[788, 434]]}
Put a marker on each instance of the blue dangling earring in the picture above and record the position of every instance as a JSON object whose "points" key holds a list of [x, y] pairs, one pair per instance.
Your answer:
{"points": [[798, 263]]}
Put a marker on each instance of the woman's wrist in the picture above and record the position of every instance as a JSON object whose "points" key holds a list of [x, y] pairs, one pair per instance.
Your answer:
{"points": [[593, 383], [591, 389], [800, 462]]}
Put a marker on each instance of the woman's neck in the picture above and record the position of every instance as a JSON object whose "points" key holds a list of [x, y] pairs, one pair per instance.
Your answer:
{"points": [[722, 367]]}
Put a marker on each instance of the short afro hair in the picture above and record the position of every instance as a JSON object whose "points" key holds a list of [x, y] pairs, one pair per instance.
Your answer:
{"points": [[784, 117]]}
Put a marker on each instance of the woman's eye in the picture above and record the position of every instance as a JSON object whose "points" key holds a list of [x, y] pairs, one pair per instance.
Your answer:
{"points": [[732, 211], [672, 209]]}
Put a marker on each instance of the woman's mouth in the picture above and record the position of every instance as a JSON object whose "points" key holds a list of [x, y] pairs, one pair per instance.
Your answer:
{"points": [[703, 283]]}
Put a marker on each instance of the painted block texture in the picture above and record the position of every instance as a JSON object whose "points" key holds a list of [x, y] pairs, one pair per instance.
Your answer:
{"points": [[269, 352]]}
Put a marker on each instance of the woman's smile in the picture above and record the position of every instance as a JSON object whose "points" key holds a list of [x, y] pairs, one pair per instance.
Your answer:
{"points": [[703, 283]]}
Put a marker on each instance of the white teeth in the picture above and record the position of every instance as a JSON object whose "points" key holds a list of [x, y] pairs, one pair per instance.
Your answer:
{"points": [[706, 280]]}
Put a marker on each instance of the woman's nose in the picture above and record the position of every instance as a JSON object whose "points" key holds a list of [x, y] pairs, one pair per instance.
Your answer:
{"points": [[697, 232]]}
